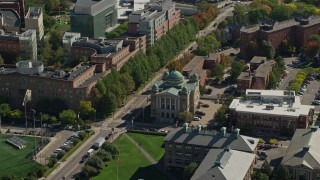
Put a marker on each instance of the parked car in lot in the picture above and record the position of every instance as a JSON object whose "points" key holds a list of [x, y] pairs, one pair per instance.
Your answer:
{"points": [[200, 113], [205, 105], [196, 118], [316, 102]]}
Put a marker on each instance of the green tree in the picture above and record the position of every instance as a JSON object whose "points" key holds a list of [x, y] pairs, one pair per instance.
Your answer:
{"points": [[1, 60], [273, 81], [88, 171], [185, 117], [44, 117], [267, 49], [86, 109], [48, 21], [256, 14], [68, 117], [236, 69], [55, 39], [281, 13], [53, 120], [96, 162], [281, 64], [282, 173], [189, 170], [128, 82], [256, 175], [5, 110], [266, 168], [15, 114], [104, 155], [52, 161], [111, 148], [8, 176], [217, 72], [108, 104]]}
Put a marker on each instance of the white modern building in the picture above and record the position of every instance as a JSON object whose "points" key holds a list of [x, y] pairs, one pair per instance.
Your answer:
{"points": [[270, 111]]}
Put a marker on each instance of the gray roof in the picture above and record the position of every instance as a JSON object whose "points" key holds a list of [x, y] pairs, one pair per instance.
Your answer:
{"points": [[212, 139], [304, 149], [92, 7], [194, 63], [244, 76], [258, 59], [264, 69], [10, 17], [220, 164]]}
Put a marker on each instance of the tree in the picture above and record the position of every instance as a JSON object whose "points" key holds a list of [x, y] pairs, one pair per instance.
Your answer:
{"points": [[55, 39], [266, 168], [104, 155], [282, 173], [53, 120], [108, 104], [52, 161], [44, 117], [68, 117], [273, 81], [312, 49], [236, 69], [128, 82], [281, 13], [89, 171], [256, 175], [185, 117], [15, 114], [4, 110], [281, 64], [8, 176], [86, 109], [267, 49], [111, 148], [1, 60], [256, 14], [96, 162], [218, 72], [273, 141], [189, 170]]}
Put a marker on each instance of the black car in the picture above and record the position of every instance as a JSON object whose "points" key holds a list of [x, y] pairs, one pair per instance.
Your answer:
{"points": [[200, 113], [84, 158]]}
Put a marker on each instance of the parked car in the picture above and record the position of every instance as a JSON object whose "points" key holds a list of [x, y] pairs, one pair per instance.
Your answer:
{"points": [[200, 113], [196, 118], [316, 102], [205, 105]]}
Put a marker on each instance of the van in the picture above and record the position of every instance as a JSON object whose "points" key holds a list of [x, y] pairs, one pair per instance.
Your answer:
{"points": [[90, 151]]}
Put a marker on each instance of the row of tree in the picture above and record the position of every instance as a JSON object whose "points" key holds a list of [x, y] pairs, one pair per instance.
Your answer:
{"points": [[97, 162], [112, 91], [276, 74], [206, 45]]}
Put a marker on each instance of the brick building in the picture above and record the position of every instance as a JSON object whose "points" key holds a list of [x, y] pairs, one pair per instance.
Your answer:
{"points": [[186, 145], [270, 111], [257, 77], [23, 45], [296, 31], [154, 22], [106, 53], [71, 86], [195, 66]]}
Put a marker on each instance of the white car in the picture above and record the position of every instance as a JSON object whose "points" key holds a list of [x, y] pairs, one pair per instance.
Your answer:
{"points": [[196, 118]]}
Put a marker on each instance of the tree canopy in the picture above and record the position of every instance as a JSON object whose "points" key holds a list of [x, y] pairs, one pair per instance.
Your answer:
{"points": [[236, 68], [68, 117]]}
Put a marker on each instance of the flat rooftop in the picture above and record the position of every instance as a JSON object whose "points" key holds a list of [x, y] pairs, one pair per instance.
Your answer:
{"points": [[261, 92], [291, 110], [34, 12], [10, 17], [211, 139], [258, 59], [264, 69], [194, 63], [245, 76]]}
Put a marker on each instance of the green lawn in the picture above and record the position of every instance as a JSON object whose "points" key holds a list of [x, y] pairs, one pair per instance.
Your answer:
{"points": [[132, 164], [15, 161], [150, 143]]}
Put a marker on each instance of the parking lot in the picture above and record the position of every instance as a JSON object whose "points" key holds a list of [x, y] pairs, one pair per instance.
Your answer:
{"points": [[210, 111], [55, 143]]}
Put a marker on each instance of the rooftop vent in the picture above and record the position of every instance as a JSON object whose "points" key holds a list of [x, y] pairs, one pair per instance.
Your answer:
{"points": [[306, 148], [269, 107]]}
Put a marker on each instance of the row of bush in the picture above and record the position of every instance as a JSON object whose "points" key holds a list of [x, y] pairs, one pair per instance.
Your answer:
{"points": [[33, 175], [97, 162], [297, 82], [147, 132]]}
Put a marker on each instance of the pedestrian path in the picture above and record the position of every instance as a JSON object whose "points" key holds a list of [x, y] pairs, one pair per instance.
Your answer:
{"points": [[150, 159]]}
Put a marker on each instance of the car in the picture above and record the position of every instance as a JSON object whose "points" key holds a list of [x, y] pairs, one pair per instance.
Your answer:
{"points": [[205, 105], [196, 118], [316, 102], [200, 113], [300, 92], [84, 158]]}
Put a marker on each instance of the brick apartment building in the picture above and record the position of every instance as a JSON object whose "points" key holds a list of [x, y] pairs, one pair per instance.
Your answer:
{"points": [[186, 145], [106, 53], [23, 45], [271, 111], [154, 22], [257, 76], [71, 86], [296, 31]]}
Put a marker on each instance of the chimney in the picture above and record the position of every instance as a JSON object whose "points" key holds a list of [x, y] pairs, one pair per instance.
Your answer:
{"points": [[185, 127], [223, 131], [198, 128], [237, 132]]}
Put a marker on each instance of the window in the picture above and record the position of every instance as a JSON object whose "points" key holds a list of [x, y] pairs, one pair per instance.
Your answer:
{"points": [[188, 155], [178, 153]]}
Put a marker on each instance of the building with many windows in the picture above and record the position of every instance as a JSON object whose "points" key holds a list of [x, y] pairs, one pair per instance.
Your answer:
{"points": [[272, 111], [14, 44], [34, 20], [303, 154], [92, 18], [172, 95], [154, 22], [257, 76], [296, 31], [71, 86], [105, 53], [215, 151]]}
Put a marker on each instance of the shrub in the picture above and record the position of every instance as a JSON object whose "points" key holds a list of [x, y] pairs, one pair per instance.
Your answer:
{"points": [[40, 171], [82, 134], [61, 154], [88, 171], [96, 162], [104, 155], [147, 132], [110, 148], [52, 161], [8, 176]]}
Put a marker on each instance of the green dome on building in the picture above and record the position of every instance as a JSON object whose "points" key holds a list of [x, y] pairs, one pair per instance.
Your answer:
{"points": [[174, 78]]}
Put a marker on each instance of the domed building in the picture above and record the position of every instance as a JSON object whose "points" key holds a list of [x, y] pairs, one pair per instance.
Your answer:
{"points": [[172, 95]]}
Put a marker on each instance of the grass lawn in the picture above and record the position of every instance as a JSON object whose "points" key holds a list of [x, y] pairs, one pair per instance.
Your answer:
{"points": [[150, 143], [132, 164], [15, 161]]}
